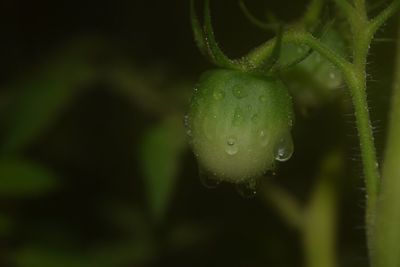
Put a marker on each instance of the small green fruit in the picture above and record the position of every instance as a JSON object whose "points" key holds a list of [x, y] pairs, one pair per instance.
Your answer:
{"points": [[239, 124], [314, 80]]}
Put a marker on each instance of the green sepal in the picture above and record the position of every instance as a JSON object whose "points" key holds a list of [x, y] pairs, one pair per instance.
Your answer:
{"points": [[198, 32], [217, 54], [270, 25]]}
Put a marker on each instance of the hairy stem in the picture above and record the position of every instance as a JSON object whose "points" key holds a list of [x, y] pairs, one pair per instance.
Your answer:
{"points": [[356, 84], [387, 232], [257, 56]]}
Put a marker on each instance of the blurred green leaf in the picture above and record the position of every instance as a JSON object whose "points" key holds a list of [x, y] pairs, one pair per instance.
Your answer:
{"points": [[20, 178], [188, 235], [161, 153], [133, 253], [40, 99], [6, 224], [46, 256]]}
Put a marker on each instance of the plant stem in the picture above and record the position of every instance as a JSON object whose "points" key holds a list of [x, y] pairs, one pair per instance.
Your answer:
{"points": [[387, 232], [354, 74], [356, 84], [257, 56]]}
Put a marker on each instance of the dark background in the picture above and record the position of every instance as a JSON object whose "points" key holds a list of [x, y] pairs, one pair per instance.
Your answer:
{"points": [[95, 211]]}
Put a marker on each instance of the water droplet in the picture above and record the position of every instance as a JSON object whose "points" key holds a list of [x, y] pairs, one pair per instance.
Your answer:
{"points": [[255, 118], [334, 78], [249, 108], [237, 116], [284, 149], [186, 120], [239, 92], [218, 94], [263, 98], [264, 137], [208, 180], [231, 146], [186, 123], [247, 189]]}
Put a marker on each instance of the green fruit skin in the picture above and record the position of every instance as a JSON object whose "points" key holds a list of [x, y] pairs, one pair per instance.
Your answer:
{"points": [[236, 121]]}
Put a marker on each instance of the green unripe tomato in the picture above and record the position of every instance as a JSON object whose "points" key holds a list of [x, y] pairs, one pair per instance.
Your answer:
{"points": [[239, 124]]}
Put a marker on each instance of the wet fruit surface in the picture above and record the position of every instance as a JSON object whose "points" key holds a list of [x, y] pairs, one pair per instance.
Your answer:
{"points": [[239, 124]]}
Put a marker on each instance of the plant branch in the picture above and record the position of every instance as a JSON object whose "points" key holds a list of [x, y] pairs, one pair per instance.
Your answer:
{"points": [[312, 14], [346, 7], [361, 8], [382, 17], [256, 57]]}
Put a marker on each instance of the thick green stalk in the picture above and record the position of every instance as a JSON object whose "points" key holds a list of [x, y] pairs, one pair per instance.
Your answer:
{"points": [[355, 76], [356, 84], [387, 232], [356, 81]]}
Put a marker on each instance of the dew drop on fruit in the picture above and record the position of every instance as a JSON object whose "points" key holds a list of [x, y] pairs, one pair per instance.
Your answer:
{"points": [[186, 123], [207, 179], [335, 79], [218, 94], [247, 189], [237, 116], [239, 92], [264, 137], [231, 147], [255, 118], [284, 149]]}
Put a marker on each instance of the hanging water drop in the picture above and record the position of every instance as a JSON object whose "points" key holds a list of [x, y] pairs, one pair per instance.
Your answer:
{"points": [[231, 147], [208, 180], [247, 189], [284, 149]]}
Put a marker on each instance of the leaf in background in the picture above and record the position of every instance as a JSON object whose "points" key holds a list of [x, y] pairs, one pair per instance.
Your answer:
{"points": [[6, 224], [38, 100], [160, 154], [120, 254], [47, 256], [183, 236], [21, 178]]}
